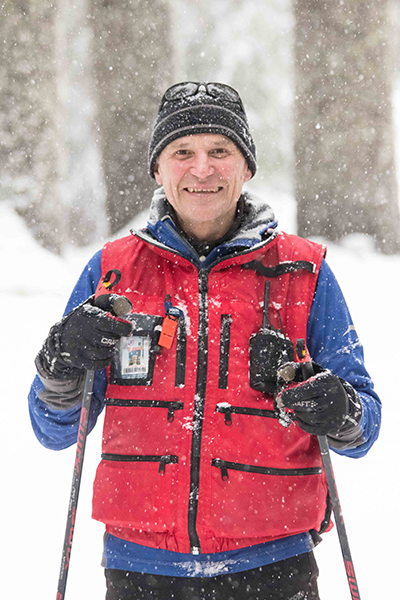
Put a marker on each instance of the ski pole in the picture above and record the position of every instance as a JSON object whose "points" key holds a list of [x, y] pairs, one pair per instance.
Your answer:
{"points": [[76, 482], [337, 511], [119, 306], [308, 371]]}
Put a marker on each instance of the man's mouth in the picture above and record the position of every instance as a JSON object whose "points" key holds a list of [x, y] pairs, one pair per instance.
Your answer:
{"points": [[213, 190]]}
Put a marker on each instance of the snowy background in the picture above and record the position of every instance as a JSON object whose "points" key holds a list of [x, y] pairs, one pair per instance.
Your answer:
{"points": [[35, 285], [36, 482]]}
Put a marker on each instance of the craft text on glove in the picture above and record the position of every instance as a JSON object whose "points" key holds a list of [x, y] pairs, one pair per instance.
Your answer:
{"points": [[323, 404], [84, 339]]}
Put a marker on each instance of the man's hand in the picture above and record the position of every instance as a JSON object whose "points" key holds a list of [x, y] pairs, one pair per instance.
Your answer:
{"points": [[83, 339], [322, 404]]}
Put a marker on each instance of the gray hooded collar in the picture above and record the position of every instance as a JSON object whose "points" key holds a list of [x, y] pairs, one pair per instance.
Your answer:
{"points": [[259, 217]]}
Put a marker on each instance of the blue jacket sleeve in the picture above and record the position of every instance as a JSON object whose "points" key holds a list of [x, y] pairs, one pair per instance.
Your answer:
{"points": [[58, 429], [333, 343]]}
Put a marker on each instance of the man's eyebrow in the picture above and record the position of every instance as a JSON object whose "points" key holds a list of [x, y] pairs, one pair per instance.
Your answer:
{"points": [[222, 142], [180, 144]]}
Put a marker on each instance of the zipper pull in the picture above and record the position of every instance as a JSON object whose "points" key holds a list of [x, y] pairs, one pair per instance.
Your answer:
{"points": [[225, 408], [171, 411], [221, 464], [166, 460], [163, 462]]}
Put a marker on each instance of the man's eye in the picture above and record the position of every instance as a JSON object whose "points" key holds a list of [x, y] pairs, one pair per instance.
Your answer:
{"points": [[182, 153], [219, 151]]}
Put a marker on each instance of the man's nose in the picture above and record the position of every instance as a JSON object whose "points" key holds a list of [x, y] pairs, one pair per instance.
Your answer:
{"points": [[202, 166]]}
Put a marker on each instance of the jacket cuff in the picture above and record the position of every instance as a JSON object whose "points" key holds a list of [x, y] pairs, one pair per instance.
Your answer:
{"points": [[61, 393]]}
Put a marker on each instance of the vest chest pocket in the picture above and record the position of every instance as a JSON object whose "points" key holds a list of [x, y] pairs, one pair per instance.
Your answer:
{"points": [[180, 368], [136, 355], [226, 321]]}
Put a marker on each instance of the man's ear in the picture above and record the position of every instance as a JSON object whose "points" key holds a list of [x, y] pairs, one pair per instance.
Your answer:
{"points": [[157, 175], [248, 175]]}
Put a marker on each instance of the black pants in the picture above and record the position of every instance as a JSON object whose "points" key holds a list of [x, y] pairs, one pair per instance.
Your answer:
{"points": [[291, 579]]}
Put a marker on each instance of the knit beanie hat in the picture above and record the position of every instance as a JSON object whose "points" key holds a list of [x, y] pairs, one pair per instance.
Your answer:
{"points": [[191, 107]]}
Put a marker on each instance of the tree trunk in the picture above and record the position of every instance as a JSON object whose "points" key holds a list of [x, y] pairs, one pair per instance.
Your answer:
{"points": [[344, 147], [132, 62], [31, 152], [83, 190]]}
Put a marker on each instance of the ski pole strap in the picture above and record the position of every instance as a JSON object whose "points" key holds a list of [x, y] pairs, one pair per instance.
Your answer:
{"points": [[106, 283]]}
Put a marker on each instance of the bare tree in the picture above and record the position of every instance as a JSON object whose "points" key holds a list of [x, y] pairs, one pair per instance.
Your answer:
{"points": [[344, 148], [132, 58], [31, 151]]}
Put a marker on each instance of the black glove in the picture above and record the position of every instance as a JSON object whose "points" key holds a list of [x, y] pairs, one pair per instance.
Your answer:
{"points": [[83, 339], [323, 404]]}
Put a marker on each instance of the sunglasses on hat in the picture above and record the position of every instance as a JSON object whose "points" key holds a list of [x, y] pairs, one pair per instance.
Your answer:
{"points": [[191, 88]]}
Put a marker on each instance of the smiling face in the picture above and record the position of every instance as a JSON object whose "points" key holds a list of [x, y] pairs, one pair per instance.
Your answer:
{"points": [[203, 176]]}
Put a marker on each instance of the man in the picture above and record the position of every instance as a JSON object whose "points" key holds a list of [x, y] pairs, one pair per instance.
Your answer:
{"points": [[211, 483]]}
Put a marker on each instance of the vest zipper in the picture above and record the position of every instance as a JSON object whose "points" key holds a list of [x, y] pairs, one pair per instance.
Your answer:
{"points": [[224, 465], [226, 321], [166, 459], [180, 368], [198, 413], [172, 406], [227, 409]]}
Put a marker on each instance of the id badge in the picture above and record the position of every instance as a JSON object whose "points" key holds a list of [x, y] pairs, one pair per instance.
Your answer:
{"points": [[135, 356], [135, 360]]}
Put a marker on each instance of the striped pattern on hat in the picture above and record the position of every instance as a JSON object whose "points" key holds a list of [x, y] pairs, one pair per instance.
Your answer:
{"points": [[201, 113]]}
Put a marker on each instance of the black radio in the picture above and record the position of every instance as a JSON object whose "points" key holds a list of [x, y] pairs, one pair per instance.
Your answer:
{"points": [[269, 350]]}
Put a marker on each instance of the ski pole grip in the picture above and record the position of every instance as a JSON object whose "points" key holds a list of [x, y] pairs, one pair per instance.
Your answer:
{"points": [[119, 306], [307, 370]]}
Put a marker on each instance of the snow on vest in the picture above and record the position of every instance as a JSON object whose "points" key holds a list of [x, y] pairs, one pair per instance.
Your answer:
{"points": [[194, 459]]}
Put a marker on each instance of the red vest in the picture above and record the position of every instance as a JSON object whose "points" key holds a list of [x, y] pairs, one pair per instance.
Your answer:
{"points": [[194, 459]]}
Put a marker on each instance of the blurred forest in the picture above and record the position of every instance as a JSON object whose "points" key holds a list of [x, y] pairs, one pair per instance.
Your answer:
{"points": [[80, 85]]}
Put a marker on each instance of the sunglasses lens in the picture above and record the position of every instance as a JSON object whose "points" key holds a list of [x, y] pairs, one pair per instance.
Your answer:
{"points": [[219, 89], [181, 90], [191, 88]]}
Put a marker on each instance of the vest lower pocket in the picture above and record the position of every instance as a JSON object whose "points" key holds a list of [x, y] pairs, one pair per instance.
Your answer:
{"points": [[170, 405], [166, 459], [261, 501], [135, 491], [228, 409], [224, 466]]}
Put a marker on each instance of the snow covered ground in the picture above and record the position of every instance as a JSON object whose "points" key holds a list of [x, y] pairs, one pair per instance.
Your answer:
{"points": [[36, 482]]}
